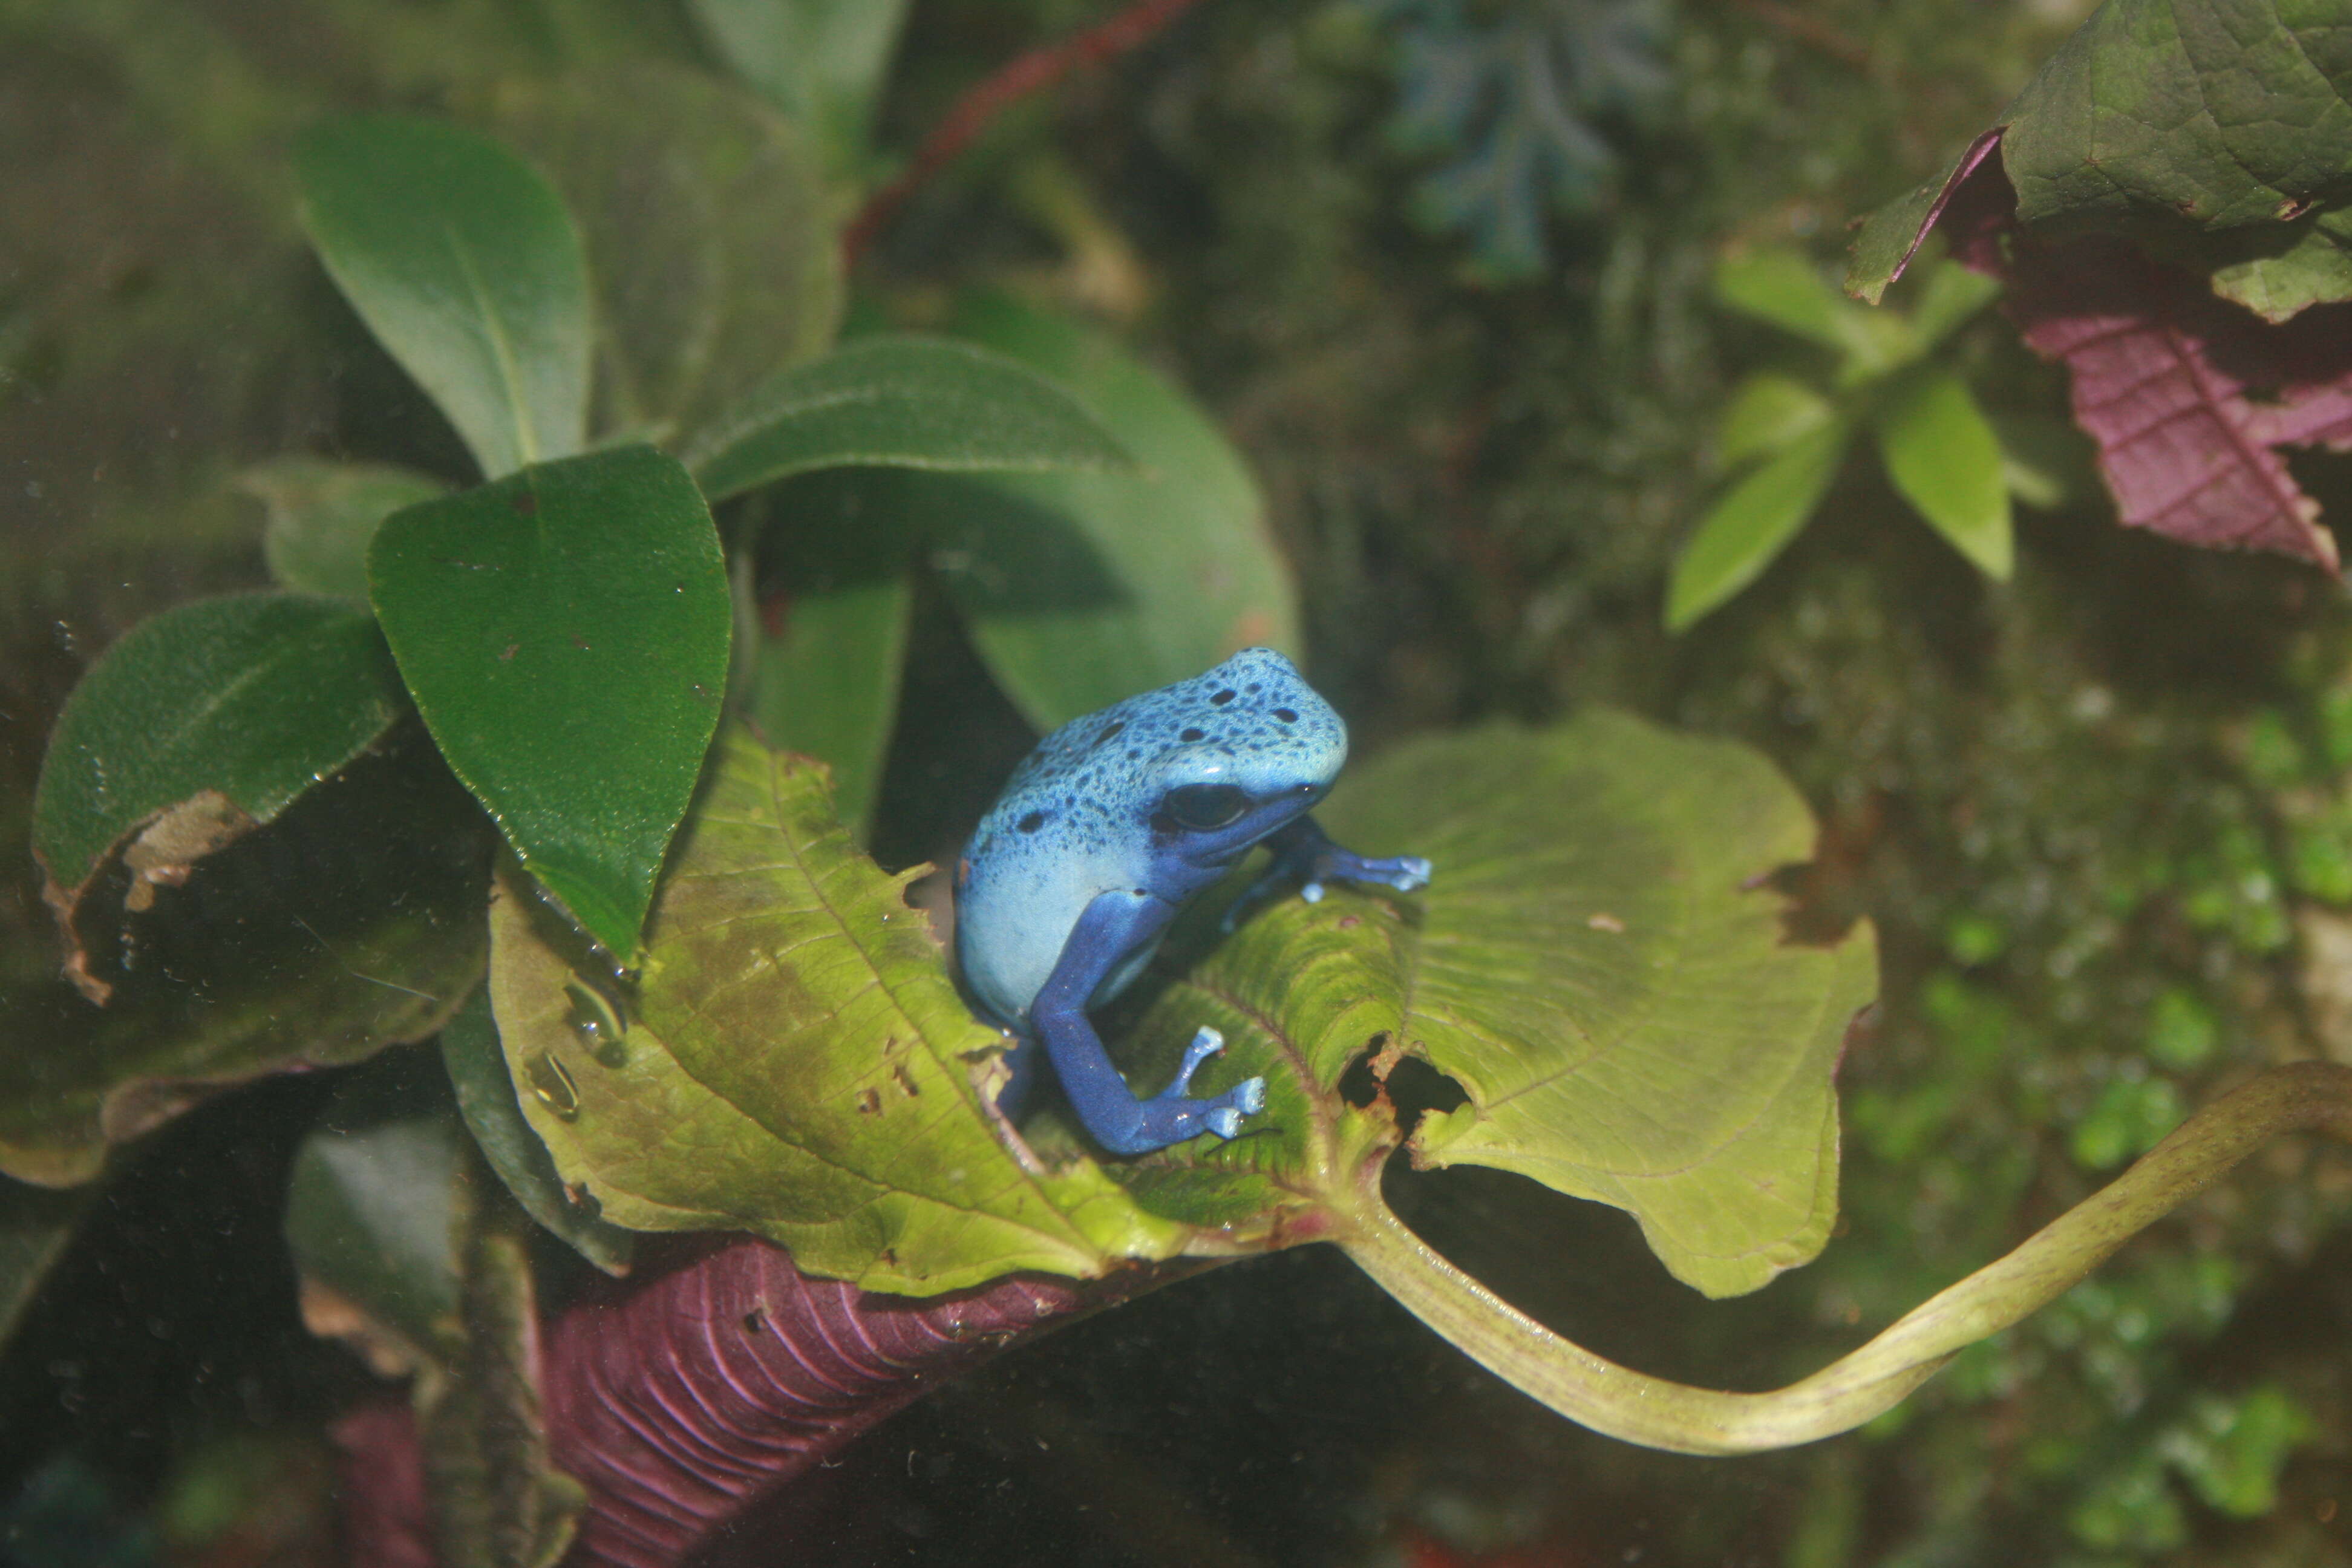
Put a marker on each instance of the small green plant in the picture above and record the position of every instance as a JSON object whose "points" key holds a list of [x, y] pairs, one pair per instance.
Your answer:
{"points": [[1784, 437]]}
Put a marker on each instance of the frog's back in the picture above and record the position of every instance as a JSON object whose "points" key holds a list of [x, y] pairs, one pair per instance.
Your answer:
{"points": [[1075, 820]]}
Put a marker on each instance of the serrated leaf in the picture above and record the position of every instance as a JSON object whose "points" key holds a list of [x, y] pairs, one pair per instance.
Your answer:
{"points": [[1945, 460], [1743, 532], [797, 1063], [223, 711], [323, 515], [1767, 415], [352, 922], [465, 265], [902, 400], [565, 634], [708, 221]]}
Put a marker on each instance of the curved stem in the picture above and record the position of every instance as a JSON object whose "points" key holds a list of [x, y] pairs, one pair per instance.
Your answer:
{"points": [[1638, 1409]]}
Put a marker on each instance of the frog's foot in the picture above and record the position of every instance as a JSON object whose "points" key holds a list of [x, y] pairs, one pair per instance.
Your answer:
{"points": [[1405, 873], [1173, 1115]]}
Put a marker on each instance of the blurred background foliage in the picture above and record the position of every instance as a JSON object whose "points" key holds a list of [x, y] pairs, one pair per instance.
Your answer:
{"points": [[1446, 272]]}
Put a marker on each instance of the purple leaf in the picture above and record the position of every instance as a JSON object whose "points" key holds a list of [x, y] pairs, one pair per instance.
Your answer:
{"points": [[2189, 398], [682, 1399]]}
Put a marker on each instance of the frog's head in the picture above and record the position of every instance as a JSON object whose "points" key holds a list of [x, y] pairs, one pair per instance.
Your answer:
{"points": [[1238, 752]]}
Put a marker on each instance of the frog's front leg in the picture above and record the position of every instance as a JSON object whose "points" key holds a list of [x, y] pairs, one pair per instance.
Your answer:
{"points": [[1304, 853], [1114, 926]]}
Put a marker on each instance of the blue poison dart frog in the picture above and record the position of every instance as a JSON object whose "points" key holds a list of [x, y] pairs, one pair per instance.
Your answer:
{"points": [[1108, 828]]}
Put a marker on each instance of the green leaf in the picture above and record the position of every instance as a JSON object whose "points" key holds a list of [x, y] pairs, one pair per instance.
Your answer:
{"points": [[796, 1062], [2232, 1451], [464, 264], [826, 683], [202, 723], [712, 231], [1767, 415], [1743, 532], [1782, 288], [376, 1205], [2225, 114], [2297, 266], [821, 61], [352, 922], [565, 634], [1083, 588], [902, 401], [486, 1100], [1947, 462], [1596, 967], [323, 515]]}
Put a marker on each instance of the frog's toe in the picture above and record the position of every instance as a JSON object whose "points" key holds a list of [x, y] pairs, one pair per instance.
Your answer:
{"points": [[1249, 1097], [1206, 1043], [1225, 1121], [1408, 873]]}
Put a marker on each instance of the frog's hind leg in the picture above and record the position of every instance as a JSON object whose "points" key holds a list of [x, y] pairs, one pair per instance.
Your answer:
{"points": [[1114, 926]]}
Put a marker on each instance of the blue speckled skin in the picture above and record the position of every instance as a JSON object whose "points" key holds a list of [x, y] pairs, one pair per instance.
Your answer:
{"points": [[1073, 877]]}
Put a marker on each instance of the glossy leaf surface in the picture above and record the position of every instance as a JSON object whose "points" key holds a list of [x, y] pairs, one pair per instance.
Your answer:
{"points": [[901, 401], [1944, 457], [565, 634], [211, 717], [1743, 532], [464, 263], [321, 516], [796, 1064]]}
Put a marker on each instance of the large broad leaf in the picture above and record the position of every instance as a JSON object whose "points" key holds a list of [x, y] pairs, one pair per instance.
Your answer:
{"points": [[709, 227], [464, 264], [820, 60], [1083, 588], [201, 724], [322, 515], [902, 401], [352, 922], [1598, 968], [1594, 963], [795, 1063], [2170, 117], [565, 634]]}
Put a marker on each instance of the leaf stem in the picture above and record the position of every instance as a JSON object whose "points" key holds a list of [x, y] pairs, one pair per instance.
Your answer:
{"points": [[1638, 1409]]}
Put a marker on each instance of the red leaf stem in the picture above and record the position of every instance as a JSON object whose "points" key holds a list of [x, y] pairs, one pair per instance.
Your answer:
{"points": [[1032, 72]]}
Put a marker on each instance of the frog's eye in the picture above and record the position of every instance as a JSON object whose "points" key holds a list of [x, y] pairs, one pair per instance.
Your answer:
{"points": [[1203, 807]]}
